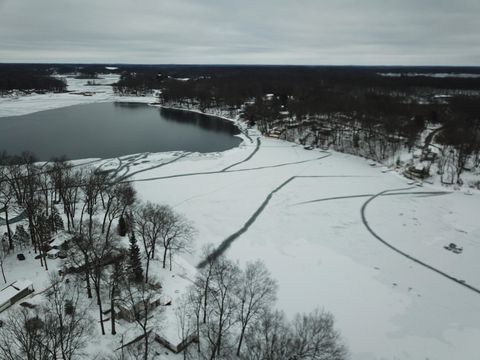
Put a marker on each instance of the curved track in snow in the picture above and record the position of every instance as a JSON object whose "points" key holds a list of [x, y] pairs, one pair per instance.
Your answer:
{"points": [[424, 193], [228, 171], [397, 250], [229, 240], [393, 192], [257, 147], [130, 174]]}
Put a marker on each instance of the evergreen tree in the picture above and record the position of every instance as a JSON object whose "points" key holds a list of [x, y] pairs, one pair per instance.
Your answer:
{"points": [[43, 234], [135, 262], [122, 226], [56, 221], [21, 237]]}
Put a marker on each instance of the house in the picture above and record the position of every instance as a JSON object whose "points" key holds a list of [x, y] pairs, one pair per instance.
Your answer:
{"points": [[418, 172], [56, 247], [105, 261], [125, 311], [275, 133], [14, 292], [60, 242], [53, 253]]}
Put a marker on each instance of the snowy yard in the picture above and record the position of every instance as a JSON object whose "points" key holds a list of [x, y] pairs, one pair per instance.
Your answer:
{"points": [[312, 238]]}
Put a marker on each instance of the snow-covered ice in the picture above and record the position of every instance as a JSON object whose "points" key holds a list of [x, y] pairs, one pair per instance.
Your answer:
{"points": [[321, 253]]}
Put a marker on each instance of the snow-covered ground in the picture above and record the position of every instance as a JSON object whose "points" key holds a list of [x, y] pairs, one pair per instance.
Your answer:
{"points": [[312, 234]]}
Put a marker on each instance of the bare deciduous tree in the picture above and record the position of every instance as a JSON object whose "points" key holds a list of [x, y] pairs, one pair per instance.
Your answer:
{"points": [[93, 185], [176, 233], [269, 339], [69, 193], [23, 336], [309, 336], [315, 338], [257, 291], [140, 299], [148, 220], [58, 329], [222, 307], [92, 252], [203, 280], [159, 223], [115, 280], [6, 204], [42, 234], [67, 326], [187, 324], [4, 251], [118, 198]]}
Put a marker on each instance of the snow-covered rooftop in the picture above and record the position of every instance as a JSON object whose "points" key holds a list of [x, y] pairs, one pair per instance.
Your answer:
{"points": [[9, 291]]}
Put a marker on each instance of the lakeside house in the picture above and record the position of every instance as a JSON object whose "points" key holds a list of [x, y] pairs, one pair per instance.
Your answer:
{"points": [[418, 172]]}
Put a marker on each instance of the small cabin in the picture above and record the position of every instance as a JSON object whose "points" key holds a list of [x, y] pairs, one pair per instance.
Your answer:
{"points": [[417, 172], [53, 253], [127, 313]]}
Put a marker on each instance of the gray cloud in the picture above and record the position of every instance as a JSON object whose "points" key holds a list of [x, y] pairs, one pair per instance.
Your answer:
{"points": [[220, 31]]}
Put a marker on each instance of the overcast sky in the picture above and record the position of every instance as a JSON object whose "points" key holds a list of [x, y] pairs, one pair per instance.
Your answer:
{"points": [[361, 32]]}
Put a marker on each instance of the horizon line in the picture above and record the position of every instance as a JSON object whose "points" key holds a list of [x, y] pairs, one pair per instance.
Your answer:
{"points": [[237, 64]]}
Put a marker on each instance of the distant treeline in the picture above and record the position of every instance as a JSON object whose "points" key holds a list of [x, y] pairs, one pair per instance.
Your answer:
{"points": [[230, 83], [17, 77], [398, 105]]}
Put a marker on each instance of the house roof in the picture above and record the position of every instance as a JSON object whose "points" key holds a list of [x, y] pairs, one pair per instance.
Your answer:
{"points": [[13, 289]]}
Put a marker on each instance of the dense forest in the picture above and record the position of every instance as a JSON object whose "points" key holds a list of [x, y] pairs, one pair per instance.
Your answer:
{"points": [[28, 79]]}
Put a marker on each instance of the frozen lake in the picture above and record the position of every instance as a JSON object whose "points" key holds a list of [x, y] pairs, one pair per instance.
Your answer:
{"points": [[113, 129]]}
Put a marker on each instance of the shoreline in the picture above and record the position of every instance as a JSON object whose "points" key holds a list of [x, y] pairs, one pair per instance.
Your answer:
{"points": [[52, 101], [237, 122]]}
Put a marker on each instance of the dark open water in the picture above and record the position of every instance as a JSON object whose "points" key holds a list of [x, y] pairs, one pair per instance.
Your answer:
{"points": [[108, 130]]}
